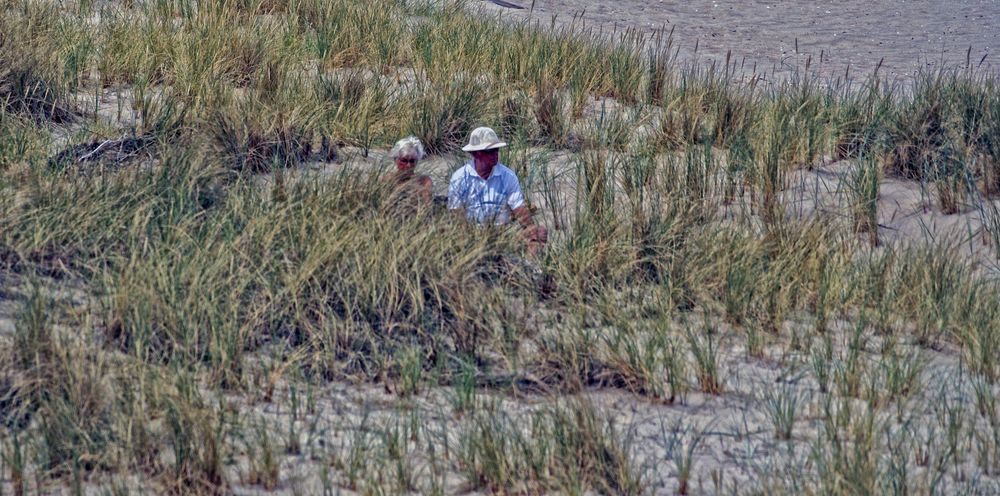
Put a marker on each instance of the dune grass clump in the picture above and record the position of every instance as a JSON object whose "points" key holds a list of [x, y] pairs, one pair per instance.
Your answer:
{"points": [[443, 115], [341, 308], [28, 86], [24, 92], [21, 140], [942, 136], [864, 190], [79, 410], [550, 113], [919, 134], [349, 104], [566, 448], [262, 147], [859, 121]]}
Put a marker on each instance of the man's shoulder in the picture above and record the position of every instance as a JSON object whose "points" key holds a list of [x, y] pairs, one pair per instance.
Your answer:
{"points": [[508, 176], [506, 171], [460, 173]]}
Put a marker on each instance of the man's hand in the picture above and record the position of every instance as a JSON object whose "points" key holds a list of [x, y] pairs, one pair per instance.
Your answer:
{"points": [[535, 234], [523, 216]]}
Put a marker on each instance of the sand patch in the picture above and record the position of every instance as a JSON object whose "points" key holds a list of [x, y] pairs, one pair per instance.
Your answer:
{"points": [[777, 38]]}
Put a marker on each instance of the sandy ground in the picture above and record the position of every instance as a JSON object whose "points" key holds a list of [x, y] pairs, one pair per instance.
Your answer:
{"points": [[729, 438], [852, 33], [908, 213]]}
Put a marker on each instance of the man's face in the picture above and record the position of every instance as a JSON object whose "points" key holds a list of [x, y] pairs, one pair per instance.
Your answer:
{"points": [[487, 158]]}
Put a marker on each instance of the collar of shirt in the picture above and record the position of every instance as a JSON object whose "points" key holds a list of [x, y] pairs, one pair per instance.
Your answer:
{"points": [[470, 169]]}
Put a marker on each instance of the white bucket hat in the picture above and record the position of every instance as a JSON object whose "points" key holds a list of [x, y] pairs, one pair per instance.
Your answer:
{"points": [[483, 138]]}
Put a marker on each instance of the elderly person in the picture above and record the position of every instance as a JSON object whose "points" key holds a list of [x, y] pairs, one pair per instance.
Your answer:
{"points": [[406, 153], [486, 191]]}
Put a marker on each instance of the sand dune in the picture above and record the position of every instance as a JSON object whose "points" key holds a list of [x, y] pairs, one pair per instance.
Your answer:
{"points": [[853, 33]]}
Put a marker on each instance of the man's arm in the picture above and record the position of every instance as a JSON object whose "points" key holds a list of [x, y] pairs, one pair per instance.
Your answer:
{"points": [[523, 216], [426, 188], [515, 200], [536, 235], [455, 193]]}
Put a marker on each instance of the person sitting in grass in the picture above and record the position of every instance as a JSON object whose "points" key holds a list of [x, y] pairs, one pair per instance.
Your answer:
{"points": [[406, 153], [486, 191]]}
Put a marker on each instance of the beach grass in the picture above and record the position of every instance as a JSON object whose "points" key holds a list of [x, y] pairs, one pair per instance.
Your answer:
{"points": [[206, 291]]}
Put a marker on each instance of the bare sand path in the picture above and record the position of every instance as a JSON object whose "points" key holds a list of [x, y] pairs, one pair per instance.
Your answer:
{"points": [[851, 33]]}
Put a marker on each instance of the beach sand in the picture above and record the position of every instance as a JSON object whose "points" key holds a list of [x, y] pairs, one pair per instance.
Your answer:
{"points": [[855, 34]]}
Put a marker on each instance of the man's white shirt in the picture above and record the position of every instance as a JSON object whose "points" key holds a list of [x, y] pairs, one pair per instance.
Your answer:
{"points": [[485, 200]]}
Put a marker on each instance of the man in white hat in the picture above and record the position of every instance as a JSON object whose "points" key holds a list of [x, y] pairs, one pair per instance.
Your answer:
{"points": [[489, 192]]}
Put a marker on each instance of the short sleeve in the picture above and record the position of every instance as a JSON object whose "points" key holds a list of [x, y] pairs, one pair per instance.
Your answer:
{"points": [[515, 199]]}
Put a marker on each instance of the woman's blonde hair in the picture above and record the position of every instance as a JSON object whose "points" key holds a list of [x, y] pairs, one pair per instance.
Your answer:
{"points": [[408, 147]]}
